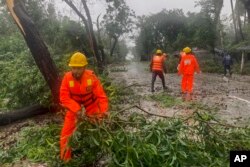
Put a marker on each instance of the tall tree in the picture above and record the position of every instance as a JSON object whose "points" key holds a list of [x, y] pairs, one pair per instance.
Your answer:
{"points": [[117, 21], [234, 20], [161, 30], [213, 9], [89, 28], [247, 7], [238, 13], [42, 58], [37, 47]]}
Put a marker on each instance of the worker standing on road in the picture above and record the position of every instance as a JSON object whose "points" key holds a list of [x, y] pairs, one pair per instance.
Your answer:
{"points": [[157, 67], [80, 88], [188, 66], [227, 62]]}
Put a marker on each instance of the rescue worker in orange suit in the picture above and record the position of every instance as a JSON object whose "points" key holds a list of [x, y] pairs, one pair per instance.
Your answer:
{"points": [[188, 66], [80, 88], [157, 67]]}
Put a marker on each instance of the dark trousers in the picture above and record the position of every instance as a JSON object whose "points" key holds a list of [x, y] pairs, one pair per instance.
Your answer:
{"points": [[154, 75], [227, 67]]}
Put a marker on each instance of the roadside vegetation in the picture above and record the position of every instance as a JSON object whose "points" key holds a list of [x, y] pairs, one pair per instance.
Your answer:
{"points": [[125, 138], [131, 139]]}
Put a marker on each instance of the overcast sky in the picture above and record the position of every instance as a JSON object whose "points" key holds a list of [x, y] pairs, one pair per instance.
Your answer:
{"points": [[142, 7], [153, 6], [146, 7]]}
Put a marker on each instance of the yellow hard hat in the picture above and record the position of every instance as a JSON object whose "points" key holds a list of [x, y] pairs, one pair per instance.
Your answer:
{"points": [[187, 50], [78, 60], [158, 51]]}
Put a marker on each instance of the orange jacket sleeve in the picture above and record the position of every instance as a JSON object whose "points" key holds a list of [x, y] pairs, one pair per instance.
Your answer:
{"points": [[197, 68], [102, 99], [181, 67], [65, 98]]}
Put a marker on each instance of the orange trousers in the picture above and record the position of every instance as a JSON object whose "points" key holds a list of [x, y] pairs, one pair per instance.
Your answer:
{"points": [[69, 127], [187, 83]]}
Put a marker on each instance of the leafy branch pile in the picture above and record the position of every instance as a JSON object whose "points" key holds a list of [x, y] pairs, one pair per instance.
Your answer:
{"points": [[125, 139], [135, 141]]}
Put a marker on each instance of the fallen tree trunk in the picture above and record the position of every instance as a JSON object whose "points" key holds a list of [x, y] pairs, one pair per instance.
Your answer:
{"points": [[42, 58], [27, 112], [36, 45]]}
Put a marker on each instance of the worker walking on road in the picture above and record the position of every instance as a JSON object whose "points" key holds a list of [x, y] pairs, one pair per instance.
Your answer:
{"points": [[227, 62], [80, 88], [188, 66], [157, 67]]}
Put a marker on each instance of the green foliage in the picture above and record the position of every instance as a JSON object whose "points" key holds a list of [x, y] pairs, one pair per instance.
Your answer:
{"points": [[21, 82], [211, 66], [165, 100], [172, 30], [135, 141], [171, 63], [160, 31], [37, 144], [118, 18], [201, 31], [245, 71], [125, 139], [117, 94]]}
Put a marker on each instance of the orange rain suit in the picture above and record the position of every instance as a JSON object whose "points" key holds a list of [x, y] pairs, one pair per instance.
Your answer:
{"points": [[157, 67], [157, 63], [188, 66], [75, 94]]}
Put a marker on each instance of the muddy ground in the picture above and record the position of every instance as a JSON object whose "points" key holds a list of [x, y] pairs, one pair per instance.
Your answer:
{"points": [[231, 98]]}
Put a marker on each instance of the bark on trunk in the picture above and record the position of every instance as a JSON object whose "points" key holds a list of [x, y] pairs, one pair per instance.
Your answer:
{"points": [[113, 46], [37, 47], [239, 21], [101, 43], [89, 28], [94, 41], [12, 116], [234, 21], [42, 58]]}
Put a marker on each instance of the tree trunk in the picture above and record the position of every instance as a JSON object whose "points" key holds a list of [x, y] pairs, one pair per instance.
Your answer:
{"points": [[239, 20], [218, 7], [36, 45], [234, 21], [42, 58], [12, 116], [94, 42], [113, 46], [247, 7], [89, 28], [242, 61], [101, 43]]}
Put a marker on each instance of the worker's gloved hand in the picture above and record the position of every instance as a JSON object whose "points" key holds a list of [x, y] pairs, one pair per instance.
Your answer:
{"points": [[79, 115]]}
